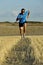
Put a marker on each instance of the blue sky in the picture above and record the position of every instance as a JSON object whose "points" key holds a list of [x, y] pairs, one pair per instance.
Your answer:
{"points": [[9, 9]]}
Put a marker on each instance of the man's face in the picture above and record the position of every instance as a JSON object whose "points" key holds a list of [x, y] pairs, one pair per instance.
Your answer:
{"points": [[22, 11]]}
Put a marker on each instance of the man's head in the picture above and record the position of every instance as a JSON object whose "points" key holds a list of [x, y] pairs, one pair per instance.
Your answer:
{"points": [[22, 10]]}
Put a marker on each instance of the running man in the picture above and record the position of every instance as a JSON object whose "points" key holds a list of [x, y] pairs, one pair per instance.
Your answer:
{"points": [[22, 21]]}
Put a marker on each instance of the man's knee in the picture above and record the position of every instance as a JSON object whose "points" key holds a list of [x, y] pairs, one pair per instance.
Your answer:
{"points": [[21, 29]]}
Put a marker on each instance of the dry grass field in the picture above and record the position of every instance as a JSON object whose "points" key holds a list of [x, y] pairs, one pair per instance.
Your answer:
{"points": [[17, 51], [13, 29], [9, 42]]}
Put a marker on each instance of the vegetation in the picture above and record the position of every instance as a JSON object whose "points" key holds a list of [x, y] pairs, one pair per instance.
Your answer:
{"points": [[22, 54], [17, 51], [13, 29]]}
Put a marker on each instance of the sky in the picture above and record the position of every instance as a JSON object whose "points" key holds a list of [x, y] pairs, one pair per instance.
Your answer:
{"points": [[9, 9]]}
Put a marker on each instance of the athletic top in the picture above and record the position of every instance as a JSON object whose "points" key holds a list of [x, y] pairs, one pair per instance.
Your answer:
{"points": [[22, 17]]}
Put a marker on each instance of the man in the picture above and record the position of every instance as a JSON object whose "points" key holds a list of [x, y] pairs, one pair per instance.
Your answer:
{"points": [[22, 21]]}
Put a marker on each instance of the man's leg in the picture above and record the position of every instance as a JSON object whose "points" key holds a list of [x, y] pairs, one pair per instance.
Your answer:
{"points": [[21, 31], [24, 29]]}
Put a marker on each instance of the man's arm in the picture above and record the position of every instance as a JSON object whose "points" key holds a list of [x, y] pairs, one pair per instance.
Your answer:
{"points": [[17, 19], [28, 14]]}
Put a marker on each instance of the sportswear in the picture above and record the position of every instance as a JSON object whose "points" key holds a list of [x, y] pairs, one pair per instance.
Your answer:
{"points": [[22, 17]]}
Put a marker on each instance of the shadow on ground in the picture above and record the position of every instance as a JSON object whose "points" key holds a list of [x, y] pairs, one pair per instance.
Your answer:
{"points": [[21, 54]]}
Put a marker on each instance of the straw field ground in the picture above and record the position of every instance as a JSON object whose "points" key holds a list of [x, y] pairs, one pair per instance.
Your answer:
{"points": [[17, 51]]}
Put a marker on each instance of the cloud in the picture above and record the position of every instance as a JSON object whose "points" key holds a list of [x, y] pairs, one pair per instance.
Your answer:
{"points": [[15, 12]]}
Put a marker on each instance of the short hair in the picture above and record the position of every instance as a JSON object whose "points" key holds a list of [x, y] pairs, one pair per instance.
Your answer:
{"points": [[22, 9]]}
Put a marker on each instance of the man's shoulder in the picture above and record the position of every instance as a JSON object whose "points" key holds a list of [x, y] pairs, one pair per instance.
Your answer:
{"points": [[20, 13]]}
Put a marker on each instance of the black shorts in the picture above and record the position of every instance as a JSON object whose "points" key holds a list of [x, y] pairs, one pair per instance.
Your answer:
{"points": [[21, 24]]}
